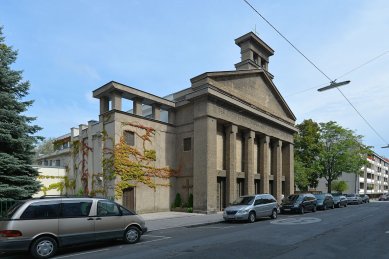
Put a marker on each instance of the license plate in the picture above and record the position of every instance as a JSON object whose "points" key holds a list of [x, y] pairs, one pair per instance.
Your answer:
{"points": [[286, 209], [231, 216]]}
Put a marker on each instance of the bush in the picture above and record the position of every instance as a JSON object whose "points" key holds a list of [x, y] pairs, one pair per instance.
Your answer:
{"points": [[190, 201], [190, 210], [177, 201]]}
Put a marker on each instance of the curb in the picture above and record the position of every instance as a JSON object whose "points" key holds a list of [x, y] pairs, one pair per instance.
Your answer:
{"points": [[189, 226]]}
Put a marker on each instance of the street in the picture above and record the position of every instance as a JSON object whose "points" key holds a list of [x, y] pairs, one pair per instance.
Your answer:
{"points": [[358, 231]]}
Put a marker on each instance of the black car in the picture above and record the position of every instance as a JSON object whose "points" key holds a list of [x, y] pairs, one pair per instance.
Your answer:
{"points": [[340, 200], [384, 197], [365, 198], [299, 203], [325, 201]]}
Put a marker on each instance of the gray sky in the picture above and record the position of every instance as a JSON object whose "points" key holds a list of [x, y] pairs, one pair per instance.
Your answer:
{"points": [[69, 48]]}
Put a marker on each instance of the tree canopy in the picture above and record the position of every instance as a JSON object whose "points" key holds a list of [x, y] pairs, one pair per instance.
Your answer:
{"points": [[326, 150], [17, 140]]}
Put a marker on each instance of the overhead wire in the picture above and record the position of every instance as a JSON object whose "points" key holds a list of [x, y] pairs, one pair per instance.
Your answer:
{"points": [[324, 74]]}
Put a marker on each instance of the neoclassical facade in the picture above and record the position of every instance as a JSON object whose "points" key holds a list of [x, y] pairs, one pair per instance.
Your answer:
{"points": [[229, 134]]}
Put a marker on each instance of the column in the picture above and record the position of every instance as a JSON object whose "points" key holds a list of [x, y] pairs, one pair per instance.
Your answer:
{"points": [[276, 168], [156, 111], [249, 162], [137, 106], [288, 167], [264, 169], [116, 99], [204, 165], [231, 131], [104, 105]]}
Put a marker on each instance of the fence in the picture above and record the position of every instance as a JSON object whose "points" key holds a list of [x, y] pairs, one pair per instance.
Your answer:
{"points": [[5, 205]]}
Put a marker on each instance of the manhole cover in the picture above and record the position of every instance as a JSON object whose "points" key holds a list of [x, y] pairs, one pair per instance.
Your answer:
{"points": [[295, 221]]}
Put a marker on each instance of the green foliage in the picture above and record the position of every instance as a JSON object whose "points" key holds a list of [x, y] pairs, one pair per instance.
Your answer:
{"points": [[307, 149], [150, 155], [17, 177], [190, 200], [177, 201], [190, 210], [339, 186], [44, 147]]}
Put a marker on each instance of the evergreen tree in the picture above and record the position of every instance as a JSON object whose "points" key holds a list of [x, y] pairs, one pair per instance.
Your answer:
{"points": [[17, 177]]}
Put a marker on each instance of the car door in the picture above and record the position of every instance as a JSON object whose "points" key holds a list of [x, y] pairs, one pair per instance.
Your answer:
{"points": [[75, 225], [108, 221], [307, 203], [259, 205]]}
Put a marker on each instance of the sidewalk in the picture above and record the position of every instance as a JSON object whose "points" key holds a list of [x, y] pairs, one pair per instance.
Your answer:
{"points": [[171, 219]]}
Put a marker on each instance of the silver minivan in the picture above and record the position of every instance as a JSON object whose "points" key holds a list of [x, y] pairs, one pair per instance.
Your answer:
{"points": [[43, 225], [252, 207]]}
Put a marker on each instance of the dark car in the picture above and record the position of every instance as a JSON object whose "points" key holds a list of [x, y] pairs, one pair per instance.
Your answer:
{"points": [[325, 201], [299, 203], [365, 198], [339, 200]]}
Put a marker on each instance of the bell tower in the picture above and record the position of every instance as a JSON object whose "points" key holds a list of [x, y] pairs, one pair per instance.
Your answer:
{"points": [[254, 52]]}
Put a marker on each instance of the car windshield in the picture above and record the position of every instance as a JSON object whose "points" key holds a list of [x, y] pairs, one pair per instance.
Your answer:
{"points": [[319, 196], [295, 197], [350, 195], [247, 200]]}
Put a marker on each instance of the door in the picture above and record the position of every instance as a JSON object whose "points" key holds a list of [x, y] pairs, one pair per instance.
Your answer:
{"points": [[108, 221], [75, 225], [259, 207], [129, 198], [221, 193]]}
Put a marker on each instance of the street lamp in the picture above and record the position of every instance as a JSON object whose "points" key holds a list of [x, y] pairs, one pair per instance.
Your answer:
{"points": [[333, 84]]}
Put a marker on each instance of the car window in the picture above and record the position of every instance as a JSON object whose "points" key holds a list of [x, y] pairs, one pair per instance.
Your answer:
{"points": [[11, 211], [41, 210], [126, 211], [247, 200], [75, 209], [259, 201], [107, 208]]}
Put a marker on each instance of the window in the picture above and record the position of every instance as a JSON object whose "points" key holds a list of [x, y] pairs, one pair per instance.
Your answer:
{"points": [[57, 162], [187, 144], [51, 163], [75, 209], [107, 208], [41, 210], [129, 138], [259, 202], [125, 211]]}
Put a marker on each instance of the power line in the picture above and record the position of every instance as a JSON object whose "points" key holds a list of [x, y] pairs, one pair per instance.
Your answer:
{"points": [[331, 81]]}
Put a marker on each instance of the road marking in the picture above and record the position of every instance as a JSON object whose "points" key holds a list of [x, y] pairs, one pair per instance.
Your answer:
{"points": [[217, 227], [90, 252], [147, 235], [295, 221], [160, 239], [387, 232]]}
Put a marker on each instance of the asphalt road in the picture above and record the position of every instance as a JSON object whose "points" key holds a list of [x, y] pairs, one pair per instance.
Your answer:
{"points": [[358, 231]]}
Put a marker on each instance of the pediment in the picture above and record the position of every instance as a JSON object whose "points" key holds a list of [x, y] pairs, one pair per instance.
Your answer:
{"points": [[255, 88]]}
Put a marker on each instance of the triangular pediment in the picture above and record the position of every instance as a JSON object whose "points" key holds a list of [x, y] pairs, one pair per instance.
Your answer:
{"points": [[255, 88]]}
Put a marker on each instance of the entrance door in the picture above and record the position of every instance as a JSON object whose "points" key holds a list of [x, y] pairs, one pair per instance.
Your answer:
{"points": [[221, 193], [129, 198]]}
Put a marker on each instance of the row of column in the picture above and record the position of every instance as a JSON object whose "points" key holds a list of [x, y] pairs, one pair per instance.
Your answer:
{"points": [[281, 164], [116, 101]]}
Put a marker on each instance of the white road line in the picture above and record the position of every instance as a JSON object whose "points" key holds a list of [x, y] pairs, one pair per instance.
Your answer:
{"points": [[147, 235], [387, 232], [218, 227], [140, 243], [90, 252]]}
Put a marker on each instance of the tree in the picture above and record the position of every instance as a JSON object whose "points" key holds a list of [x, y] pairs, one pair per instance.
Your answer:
{"points": [[339, 186], [44, 147], [307, 150], [17, 177], [342, 151]]}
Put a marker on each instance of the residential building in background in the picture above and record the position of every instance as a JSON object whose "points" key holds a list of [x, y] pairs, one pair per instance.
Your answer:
{"points": [[229, 134], [371, 180]]}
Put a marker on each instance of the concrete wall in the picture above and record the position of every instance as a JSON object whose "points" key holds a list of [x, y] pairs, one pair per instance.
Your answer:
{"points": [[50, 175]]}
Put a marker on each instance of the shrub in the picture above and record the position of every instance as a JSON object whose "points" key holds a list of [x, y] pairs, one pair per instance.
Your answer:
{"points": [[190, 201], [177, 201]]}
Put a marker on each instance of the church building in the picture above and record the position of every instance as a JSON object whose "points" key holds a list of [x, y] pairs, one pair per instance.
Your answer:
{"points": [[229, 134]]}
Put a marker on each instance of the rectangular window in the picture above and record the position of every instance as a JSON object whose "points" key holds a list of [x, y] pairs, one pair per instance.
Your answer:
{"points": [[41, 210], [107, 208], [187, 144], [57, 162], [129, 137], [75, 209]]}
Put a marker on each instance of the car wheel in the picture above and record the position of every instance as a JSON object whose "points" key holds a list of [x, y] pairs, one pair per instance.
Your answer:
{"points": [[314, 208], [251, 217], [44, 247], [333, 206], [324, 207], [274, 214], [301, 210], [132, 235]]}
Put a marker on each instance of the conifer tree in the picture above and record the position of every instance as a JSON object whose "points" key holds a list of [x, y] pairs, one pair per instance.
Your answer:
{"points": [[17, 140]]}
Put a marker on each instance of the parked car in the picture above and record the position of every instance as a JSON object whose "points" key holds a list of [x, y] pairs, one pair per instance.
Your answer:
{"points": [[43, 225], [384, 197], [325, 201], [299, 203], [353, 198], [365, 198], [252, 207], [340, 200]]}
